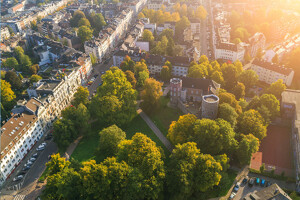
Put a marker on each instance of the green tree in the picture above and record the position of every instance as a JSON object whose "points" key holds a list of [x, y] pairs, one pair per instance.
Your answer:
{"points": [[33, 25], [239, 90], [127, 64], [25, 62], [251, 122], [191, 172], [64, 133], [19, 52], [150, 95], [230, 74], [11, 63], [201, 13], [115, 99], [203, 59], [34, 69], [249, 78], [76, 18], [270, 102], [7, 95], [147, 36], [227, 113], [214, 137], [93, 58], [165, 73], [197, 71], [130, 77], [262, 168], [248, 145], [84, 22], [142, 77], [247, 57], [57, 164], [181, 130], [142, 153], [85, 33], [182, 24], [229, 98], [13, 79], [81, 96], [97, 22], [110, 138], [277, 88], [218, 77], [35, 78]]}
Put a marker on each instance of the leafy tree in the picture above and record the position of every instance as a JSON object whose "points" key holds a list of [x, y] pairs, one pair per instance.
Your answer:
{"points": [[147, 36], [230, 74], [191, 172], [214, 137], [270, 102], [81, 96], [127, 64], [139, 67], [197, 71], [84, 22], [142, 153], [218, 77], [85, 33], [35, 78], [142, 77], [13, 79], [181, 130], [97, 21], [130, 77], [19, 52], [74, 21], [239, 90], [201, 13], [170, 50], [166, 32], [25, 62], [277, 88], [11, 32], [110, 138], [252, 122], [248, 145], [108, 180], [151, 95], [203, 59], [57, 164], [7, 95], [229, 98], [141, 15], [93, 58], [33, 25], [237, 41], [34, 69], [223, 160], [249, 78], [294, 60], [165, 73], [115, 99], [227, 113], [262, 168], [182, 24], [11, 63], [64, 133]]}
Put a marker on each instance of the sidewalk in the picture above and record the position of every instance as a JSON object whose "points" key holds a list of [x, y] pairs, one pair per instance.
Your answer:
{"points": [[155, 130]]}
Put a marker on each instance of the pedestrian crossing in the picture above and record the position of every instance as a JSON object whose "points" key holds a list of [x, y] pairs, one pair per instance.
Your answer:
{"points": [[19, 197]]}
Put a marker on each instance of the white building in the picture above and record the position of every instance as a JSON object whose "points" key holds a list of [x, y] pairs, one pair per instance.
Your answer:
{"points": [[154, 4], [4, 33], [257, 41], [271, 72], [195, 26], [229, 51]]}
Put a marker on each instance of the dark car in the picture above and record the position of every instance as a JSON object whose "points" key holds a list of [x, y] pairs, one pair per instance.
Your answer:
{"points": [[268, 183], [21, 173], [257, 181], [48, 137], [251, 182], [236, 187], [25, 168], [35, 155], [245, 180]]}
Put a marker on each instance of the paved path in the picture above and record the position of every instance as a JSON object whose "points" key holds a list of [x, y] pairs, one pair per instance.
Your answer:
{"points": [[155, 130]]}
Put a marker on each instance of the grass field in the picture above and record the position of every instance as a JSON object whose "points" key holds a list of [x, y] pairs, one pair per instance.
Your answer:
{"points": [[86, 148], [165, 115]]}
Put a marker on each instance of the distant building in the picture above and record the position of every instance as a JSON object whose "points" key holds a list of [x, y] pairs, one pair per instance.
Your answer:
{"points": [[257, 41], [229, 51], [269, 193], [195, 26], [290, 108], [154, 4], [4, 33], [18, 7], [271, 72]]}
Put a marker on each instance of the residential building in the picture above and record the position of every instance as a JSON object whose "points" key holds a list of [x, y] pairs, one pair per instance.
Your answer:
{"points": [[257, 41], [18, 7], [290, 108], [154, 4], [229, 51], [4, 33], [268, 193], [195, 26], [271, 72]]}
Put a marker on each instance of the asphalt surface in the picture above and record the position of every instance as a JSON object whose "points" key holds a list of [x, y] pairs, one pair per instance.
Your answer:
{"points": [[206, 34]]}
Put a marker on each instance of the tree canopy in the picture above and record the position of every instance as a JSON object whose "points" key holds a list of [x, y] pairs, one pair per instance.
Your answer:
{"points": [[81, 96], [150, 95]]}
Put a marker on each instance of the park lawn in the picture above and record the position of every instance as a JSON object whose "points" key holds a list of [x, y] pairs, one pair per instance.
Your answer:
{"points": [[85, 150], [165, 115]]}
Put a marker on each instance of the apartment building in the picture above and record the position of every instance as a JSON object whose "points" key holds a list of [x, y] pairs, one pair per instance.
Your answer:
{"points": [[229, 51], [18, 135], [4, 33], [18, 7], [271, 72], [257, 41], [154, 4], [195, 26]]}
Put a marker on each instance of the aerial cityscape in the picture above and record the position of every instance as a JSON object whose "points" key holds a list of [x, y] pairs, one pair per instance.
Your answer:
{"points": [[150, 99]]}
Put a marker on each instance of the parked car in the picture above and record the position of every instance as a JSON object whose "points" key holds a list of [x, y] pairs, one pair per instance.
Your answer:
{"points": [[44, 144], [245, 180], [236, 187], [25, 168], [257, 181], [18, 178], [35, 155], [102, 72], [251, 182], [92, 79], [268, 183], [232, 195], [21, 173], [32, 159], [29, 163], [48, 137], [40, 148], [262, 183]]}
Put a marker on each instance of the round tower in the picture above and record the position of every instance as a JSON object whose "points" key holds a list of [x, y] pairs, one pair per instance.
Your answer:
{"points": [[209, 108], [175, 89]]}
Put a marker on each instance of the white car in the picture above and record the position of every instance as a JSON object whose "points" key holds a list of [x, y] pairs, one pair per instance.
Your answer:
{"points": [[40, 148], [232, 195], [92, 79], [32, 159], [18, 178]]}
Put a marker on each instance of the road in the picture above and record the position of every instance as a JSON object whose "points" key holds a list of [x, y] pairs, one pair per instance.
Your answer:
{"points": [[206, 34]]}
